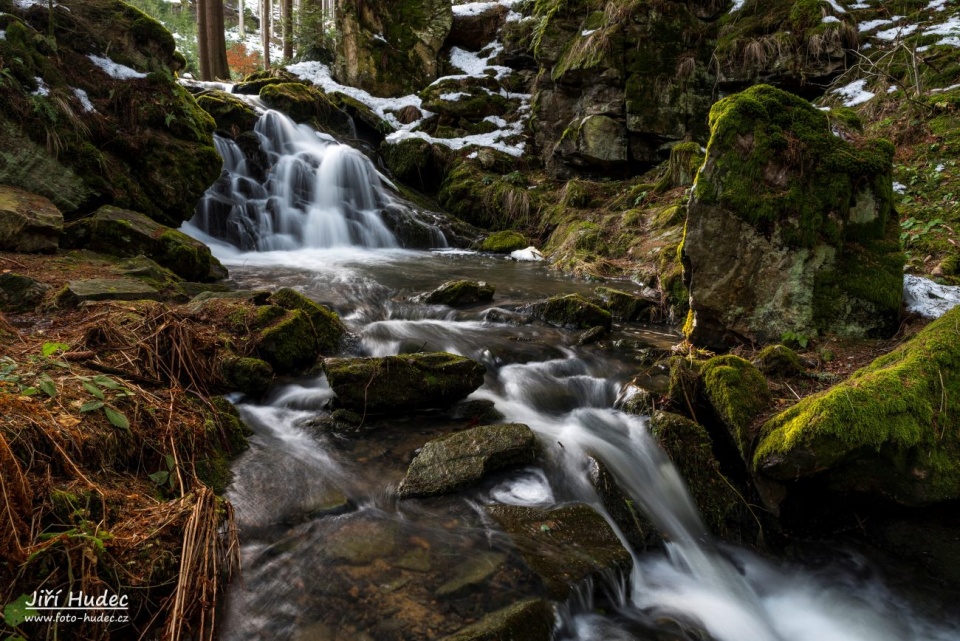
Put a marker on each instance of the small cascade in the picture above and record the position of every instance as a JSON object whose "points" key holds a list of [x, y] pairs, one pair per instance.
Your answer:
{"points": [[303, 189]]}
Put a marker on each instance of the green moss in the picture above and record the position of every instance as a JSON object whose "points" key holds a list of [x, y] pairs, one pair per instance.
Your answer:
{"points": [[326, 323], [572, 311], [901, 410], [624, 306], [738, 393], [248, 375], [227, 436], [417, 163], [457, 293], [230, 113], [778, 360], [290, 344], [307, 104], [504, 242]]}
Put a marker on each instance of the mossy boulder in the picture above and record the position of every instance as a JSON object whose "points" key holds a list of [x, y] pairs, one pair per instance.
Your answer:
{"points": [[528, 620], [306, 104], [120, 232], [254, 82], [28, 222], [625, 306], [476, 29], [245, 374], [563, 546], [689, 446], [290, 344], [457, 293], [82, 137], [572, 311], [483, 191], [468, 97], [364, 118], [462, 459], [390, 48], [504, 242], [20, 293], [228, 436], [416, 162], [402, 383], [232, 115], [892, 430], [97, 289], [327, 326], [779, 361], [738, 392], [790, 228], [596, 141]]}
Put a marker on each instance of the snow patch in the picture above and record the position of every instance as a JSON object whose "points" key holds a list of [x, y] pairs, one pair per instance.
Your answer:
{"points": [[42, 89], [899, 188], [115, 70], [453, 96], [836, 6], [3, 34], [949, 28], [937, 5], [854, 93], [474, 64], [870, 25], [860, 5], [83, 98], [473, 8], [531, 253], [830, 19], [896, 33], [924, 297], [939, 168], [26, 4], [587, 32], [737, 5]]}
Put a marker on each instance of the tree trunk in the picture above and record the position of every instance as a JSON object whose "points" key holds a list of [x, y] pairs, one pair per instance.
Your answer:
{"points": [[240, 26], [211, 42], [203, 46], [265, 11], [286, 9]]}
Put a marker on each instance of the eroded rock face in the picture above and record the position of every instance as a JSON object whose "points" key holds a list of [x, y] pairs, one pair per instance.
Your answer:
{"points": [[28, 223], [530, 620], [790, 229], [82, 131], [390, 48]]}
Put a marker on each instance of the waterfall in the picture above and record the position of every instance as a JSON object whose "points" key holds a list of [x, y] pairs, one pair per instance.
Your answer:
{"points": [[302, 189]]}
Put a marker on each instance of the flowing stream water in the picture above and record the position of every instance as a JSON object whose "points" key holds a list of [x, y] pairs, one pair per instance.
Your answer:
{"points": [[329, 552]]}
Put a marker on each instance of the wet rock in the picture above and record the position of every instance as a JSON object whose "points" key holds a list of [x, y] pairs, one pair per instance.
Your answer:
{"points": [[306, 104], [120, 232], [504, 242], [530, 620], [232, 115], [251, 376], [457, 293], [327, 326], [477, 412], [624, 306], [360, 542], [563, 546], [416, 162], [82, 291], [254, 296], [462, 459], [20, 294], [472, 574], [28, 222], [890, 431], [592, 335], [417, 560], [572, 311], [253, 83], [798, 243], [289, 344], [390, 48], [634, 525], [778, 360], [402, 383], [364, 118], [597, 140], [737, 392]]}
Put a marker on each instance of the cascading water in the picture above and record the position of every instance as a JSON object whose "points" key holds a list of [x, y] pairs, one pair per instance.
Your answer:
{"points": [[328, 551], [302, 189]]}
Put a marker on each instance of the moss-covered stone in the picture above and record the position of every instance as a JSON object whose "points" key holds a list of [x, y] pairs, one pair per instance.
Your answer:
{"points": [[457, 293], [892, 429], [232, 115], [254, 82], [504, 242], [248, 375], [624, 306], [417, 163], [738, 392], [97, 289], [289, 344], [327, 326], [120, 232], [572, 311], [529, 620], [20, 293], [790, 228], [228, 434], [28, 222], [402, 383], [563, 546], [462, 459], [476, 194], [467, 97], [306, 104], [778, 360]]}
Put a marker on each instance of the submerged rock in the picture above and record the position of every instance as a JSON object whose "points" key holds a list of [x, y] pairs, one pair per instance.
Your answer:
{"points": [[892, 430], [790, 228], [530, 620], [120, 232], [564, 546], [462, 459], [456, 293], [28, 222], [572, 311], [402, 383]]}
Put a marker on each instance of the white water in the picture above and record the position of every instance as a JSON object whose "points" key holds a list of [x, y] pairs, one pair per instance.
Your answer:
{"points": [[311, 192]]}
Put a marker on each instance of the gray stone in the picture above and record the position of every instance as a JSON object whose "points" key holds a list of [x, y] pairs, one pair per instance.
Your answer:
{"points": [[530, 620], [28, 223], [20, 293], [81, 291]]}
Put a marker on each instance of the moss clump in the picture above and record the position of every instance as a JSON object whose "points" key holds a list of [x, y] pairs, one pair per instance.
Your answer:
{"points": [[738, 392], [417, 163], [290, 344], [251, 376], [232, 115], [504, 242], [326, 323], [484, 198], [456, 293], [892, 428], [228, 436], [778, 360], [572, 311], [307, 104], [624, 306]]}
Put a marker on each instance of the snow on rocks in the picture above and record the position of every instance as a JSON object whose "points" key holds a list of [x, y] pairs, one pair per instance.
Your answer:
{"points": [[928, 299], [854, 93], [737, 5], [42, 89], [83, 98], [115, 70]]}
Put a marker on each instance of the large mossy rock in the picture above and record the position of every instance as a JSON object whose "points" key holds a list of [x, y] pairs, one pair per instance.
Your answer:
{"points": [[529, 620], [564, 546], [417, 162], [737, 392], [20, 293], [232, 115], [390, 48], [306, 104], [457, 293], [470, 98], [327, 326], [28, 222], [790, 229], [572, 311], [892, 430], [120, 232], [462, 459], [82, 137], [400, 383]]}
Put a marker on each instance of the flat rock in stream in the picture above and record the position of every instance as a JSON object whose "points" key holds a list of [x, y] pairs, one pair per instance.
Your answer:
{"points": [[81, 291], [564, 546], [530, 620], [457, 293], [461, 459], [402, 383], [572, 311]]}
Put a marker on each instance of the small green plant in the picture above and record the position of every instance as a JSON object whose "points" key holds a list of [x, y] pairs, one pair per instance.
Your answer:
{"points": [[165, 477], [793, 339], [99, 387]]}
